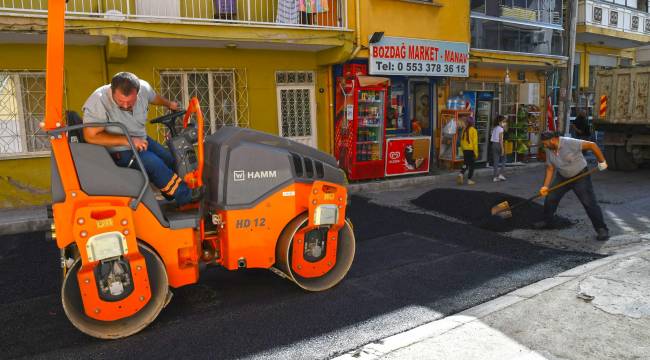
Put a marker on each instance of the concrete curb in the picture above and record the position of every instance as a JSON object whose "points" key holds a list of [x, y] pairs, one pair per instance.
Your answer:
{"points": [[397, 183], [379, 348], [22, 220]]}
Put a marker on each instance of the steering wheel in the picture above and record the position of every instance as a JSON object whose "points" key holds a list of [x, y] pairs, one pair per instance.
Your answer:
{"points": [[168, 120]]}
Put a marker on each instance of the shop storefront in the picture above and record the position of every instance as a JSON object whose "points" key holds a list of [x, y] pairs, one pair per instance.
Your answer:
{"points": [[519, 95], [394, 133]]}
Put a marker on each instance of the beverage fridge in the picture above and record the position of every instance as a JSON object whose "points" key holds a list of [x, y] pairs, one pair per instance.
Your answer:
{"points": [[483, 119], [361, 125]]}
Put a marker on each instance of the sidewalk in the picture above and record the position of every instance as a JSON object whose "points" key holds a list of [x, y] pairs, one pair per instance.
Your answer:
{"points": [[599, 310], [21, 220], [442, 175]]}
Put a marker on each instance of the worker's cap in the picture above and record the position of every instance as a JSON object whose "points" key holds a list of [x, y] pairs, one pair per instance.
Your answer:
{"points": [[548, 135]]}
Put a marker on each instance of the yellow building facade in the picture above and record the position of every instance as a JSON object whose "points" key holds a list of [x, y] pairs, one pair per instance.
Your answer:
{"points": [[413, 48], [252, 67]]}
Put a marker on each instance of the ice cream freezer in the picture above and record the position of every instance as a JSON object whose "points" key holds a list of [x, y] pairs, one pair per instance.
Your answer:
{"points": [[407, 155]]}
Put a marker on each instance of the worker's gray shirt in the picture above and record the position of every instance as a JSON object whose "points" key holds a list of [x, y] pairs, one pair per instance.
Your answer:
{"points": [[101, 108], [568, 159]]}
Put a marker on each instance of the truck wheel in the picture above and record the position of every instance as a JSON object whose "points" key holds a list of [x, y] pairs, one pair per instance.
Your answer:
{"points": [[610, 157], [74, 308], [345, 249], [624, 159]]}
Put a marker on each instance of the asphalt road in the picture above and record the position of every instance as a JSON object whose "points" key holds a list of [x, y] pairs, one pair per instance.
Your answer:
{"points": [[409, 269]]}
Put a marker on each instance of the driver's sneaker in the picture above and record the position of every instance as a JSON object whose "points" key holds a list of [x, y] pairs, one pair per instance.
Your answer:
{"points": [[602, 234], [502, 178], [470, 182]]}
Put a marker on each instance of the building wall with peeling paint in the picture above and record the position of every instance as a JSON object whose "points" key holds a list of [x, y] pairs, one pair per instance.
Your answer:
{"points": [[26, 181]]}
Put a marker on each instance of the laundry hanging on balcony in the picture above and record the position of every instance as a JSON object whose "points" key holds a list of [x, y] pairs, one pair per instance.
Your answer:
{"points": [[225, 9], [313, 6], [288, 12]]}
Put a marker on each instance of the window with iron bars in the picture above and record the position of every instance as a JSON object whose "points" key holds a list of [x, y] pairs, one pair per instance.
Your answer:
{"points": [[222, 94], [295, 91], [22, 109]]}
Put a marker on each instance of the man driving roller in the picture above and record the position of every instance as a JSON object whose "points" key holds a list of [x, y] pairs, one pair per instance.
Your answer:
{"points": [[126, 101]]}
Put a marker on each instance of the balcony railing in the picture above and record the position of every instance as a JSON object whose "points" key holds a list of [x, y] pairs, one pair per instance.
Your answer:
{"points": [[324, 14], [612, 16]]}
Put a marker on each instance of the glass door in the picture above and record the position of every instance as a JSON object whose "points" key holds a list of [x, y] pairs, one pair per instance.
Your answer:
{"points": [[483, 122], [370, 125]]}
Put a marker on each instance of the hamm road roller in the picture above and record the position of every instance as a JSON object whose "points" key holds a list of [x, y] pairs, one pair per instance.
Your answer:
{"points": [[267, 202]]}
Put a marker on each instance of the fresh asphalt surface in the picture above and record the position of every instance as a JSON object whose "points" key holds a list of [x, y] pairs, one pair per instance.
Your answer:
{"points": [[409, 269]]}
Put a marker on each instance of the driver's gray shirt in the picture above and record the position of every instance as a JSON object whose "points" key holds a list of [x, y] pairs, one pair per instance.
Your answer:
{"points": [[568, 160], [101, 108]]}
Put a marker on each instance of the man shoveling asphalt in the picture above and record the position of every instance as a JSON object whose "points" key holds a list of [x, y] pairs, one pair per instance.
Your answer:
{"points": [[565, 155]]}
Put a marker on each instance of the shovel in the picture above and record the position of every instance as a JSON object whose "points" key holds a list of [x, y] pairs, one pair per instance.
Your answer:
{"points": [[504, 210]]}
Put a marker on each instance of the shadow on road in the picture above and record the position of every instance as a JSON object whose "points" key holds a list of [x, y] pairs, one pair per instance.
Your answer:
{"points": [[417, 262]]}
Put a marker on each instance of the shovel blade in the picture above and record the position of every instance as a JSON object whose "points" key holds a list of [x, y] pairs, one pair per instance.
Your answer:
{"points": [[502, 210]]}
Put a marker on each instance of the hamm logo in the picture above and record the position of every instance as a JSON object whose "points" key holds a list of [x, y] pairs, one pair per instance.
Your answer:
{"points": [[242, 175]]}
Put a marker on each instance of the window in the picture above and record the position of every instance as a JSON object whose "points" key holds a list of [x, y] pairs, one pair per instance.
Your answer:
{"points": [[222, 94], [296, 106], [22, 109], [545, 11], [497, 35]]}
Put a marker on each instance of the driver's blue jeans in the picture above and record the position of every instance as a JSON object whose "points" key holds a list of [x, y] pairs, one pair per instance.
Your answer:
{"points": [[158, 162]]}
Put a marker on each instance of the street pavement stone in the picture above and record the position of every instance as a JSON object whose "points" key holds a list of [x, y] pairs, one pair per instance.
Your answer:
{"points": [[601, 314]]}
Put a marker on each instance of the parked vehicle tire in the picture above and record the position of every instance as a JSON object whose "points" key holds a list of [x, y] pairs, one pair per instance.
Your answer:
{"points": [[624, 160]]}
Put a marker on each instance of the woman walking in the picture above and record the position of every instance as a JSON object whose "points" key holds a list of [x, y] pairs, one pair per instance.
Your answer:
{"points": [[498, 149], [469, 144]]}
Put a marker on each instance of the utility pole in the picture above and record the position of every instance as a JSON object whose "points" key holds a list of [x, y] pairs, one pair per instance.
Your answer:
{"points": [[572, 8]]}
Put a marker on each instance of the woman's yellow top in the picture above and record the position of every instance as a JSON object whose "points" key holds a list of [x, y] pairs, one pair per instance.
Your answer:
{"points": [[472, 144]]}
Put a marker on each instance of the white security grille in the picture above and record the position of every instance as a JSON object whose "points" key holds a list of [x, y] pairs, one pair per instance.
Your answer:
{"points": [[22, 109], [222, 94], [296, 106]]}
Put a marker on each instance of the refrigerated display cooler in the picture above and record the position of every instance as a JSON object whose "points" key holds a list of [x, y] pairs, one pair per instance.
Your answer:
{"points": [[361, 125], [483, 122]]}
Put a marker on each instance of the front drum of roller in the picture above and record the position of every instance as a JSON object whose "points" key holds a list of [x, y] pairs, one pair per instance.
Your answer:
{"points": [[344, 256], [74, 309]]}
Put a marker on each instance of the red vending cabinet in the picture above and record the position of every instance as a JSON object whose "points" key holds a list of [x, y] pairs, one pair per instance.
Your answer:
{"points": [[361, 125]]}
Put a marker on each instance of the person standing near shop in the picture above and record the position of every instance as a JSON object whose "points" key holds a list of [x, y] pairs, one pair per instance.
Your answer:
{"points": [[580, 126], [469, 144], [564, 160], [498, 149]]}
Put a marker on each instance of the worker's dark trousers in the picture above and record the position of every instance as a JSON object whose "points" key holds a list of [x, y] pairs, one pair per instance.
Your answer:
{"points": [[584, 190], [468, 163], [158, 163]]}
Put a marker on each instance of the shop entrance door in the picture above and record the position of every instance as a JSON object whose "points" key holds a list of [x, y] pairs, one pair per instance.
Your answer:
{"points": [[423, 108], [420, 105], [297, 113]]}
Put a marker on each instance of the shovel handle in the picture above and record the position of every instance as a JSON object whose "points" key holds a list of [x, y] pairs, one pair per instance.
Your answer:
{"points": [[563, 183], [575, 178]]}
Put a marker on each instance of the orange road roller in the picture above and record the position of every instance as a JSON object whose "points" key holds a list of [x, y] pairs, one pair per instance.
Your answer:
{"points": [[267, 202]]}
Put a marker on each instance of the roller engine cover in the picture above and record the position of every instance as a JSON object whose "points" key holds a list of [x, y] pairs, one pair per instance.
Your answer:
{"points": [[243, 166]]}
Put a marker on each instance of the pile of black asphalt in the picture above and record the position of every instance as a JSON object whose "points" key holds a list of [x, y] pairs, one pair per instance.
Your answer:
{"points": [[409, 269], [475, 207]]}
